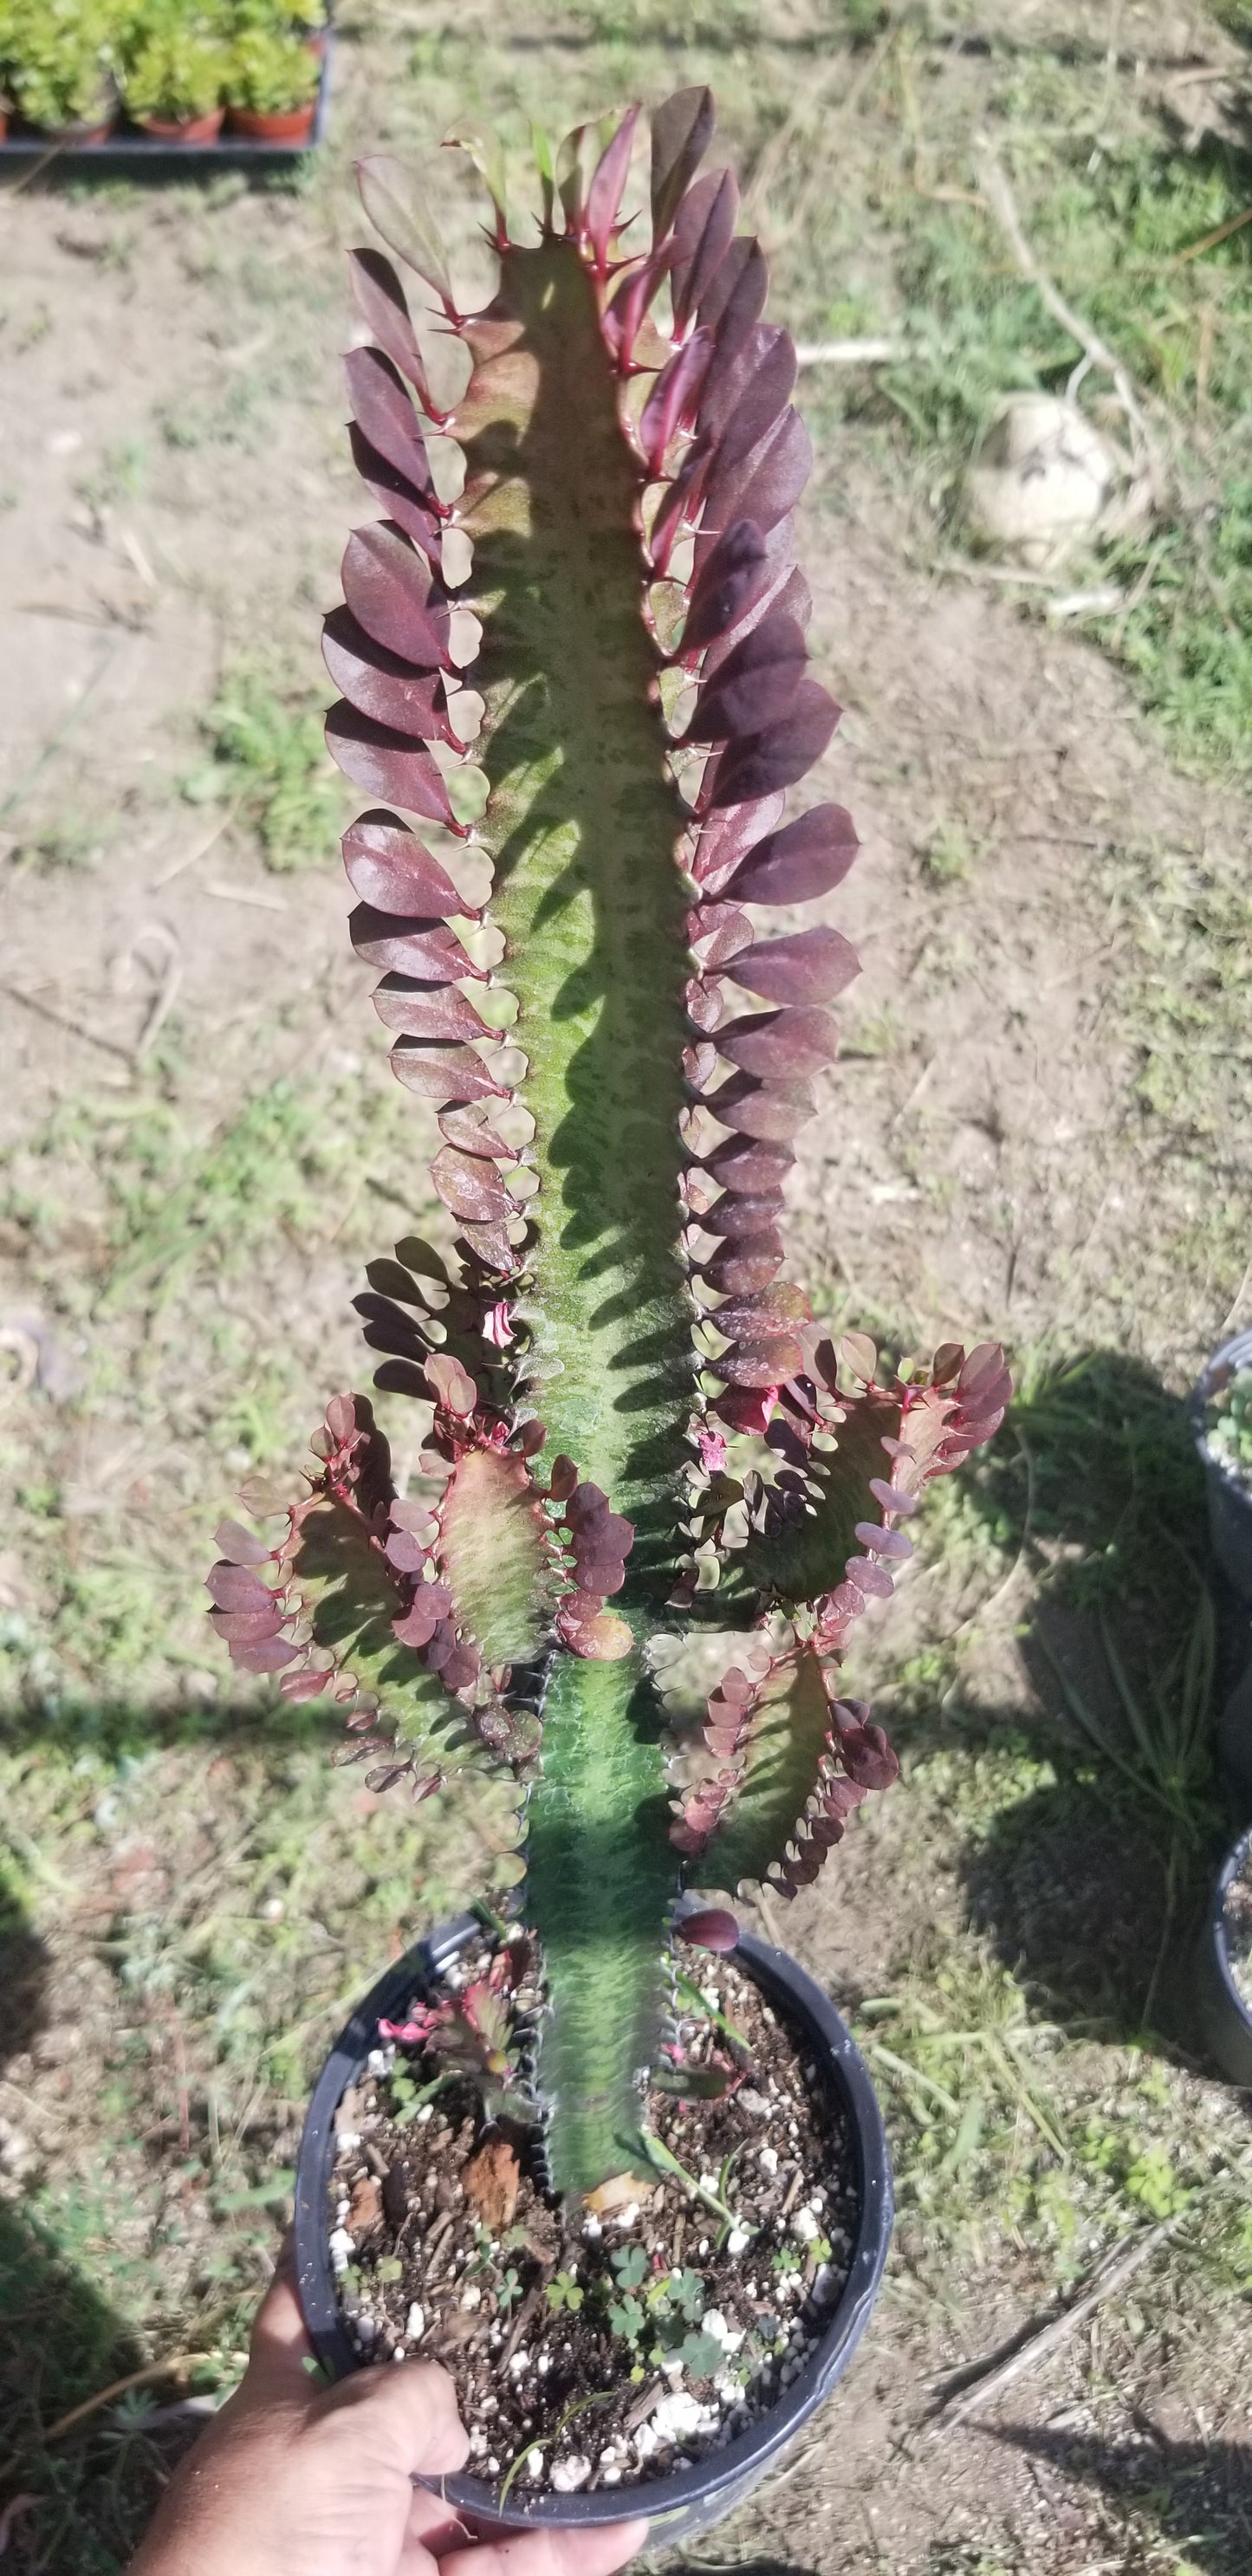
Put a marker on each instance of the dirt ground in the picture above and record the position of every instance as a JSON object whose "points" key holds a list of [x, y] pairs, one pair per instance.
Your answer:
{"points": [[988, 1161]]}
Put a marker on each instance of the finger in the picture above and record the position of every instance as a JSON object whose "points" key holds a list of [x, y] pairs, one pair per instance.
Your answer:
{"points": [[550, 2553], [280, 2346], [414, 2427]]}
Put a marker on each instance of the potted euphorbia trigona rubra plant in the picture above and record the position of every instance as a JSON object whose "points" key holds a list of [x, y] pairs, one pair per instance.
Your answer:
{"points": [[613, 2162]]}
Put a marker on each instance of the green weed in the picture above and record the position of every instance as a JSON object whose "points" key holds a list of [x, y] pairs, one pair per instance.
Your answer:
{"points": [[270, 762]]}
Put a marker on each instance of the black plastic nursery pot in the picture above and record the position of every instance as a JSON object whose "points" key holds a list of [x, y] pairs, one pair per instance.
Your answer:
{"points": [[1230, 1503], [689, 2500], [1225, 2019]]}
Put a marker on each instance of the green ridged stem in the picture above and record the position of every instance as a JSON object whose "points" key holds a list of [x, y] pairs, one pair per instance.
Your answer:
{"points": [[582, 824]]}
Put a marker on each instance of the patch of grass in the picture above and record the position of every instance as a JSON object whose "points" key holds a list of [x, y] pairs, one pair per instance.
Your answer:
{"points": [[270, 761]]}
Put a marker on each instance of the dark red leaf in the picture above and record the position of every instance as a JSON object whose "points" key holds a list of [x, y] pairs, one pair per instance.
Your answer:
{"points": [[427, 949], [472, 1134], [625, 311], [409, 504], [745, 390], [384, 413], [777, 756], [805, 859], [392, 593], [763, 485], [268, 1655], [246, 1627], [812, 966], [240, 1546], [427, 1010], [404, 1551], [734, 299], [314, 1685], [490, 1244], [755, 686], [470, 1188], [380, 298], [382, 685], [586, 1503], [759, 1363], [712, 1929], [717, 931], [461, 1667], [741, 1215], [726, 836], [386, 763], [748, 1266], [703, 230], [749, 1168], [735, 572], [446, 1074], [680, 508], [604, 196], [867, 1757], [777, 1309], [236, 1587], [671, 404], [682, 130], [781, 1042], [772, 1111], [389, 867]]}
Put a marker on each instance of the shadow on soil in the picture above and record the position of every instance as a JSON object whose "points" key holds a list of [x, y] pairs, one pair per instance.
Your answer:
{"points": [[1198, 2493], [1090, 1888]]}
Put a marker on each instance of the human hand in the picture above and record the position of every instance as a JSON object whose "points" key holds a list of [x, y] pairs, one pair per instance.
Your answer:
{"points": [[293, 2479]]}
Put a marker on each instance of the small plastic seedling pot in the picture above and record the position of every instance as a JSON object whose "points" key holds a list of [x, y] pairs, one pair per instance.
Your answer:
{"points": [[1225, 2019], [691, 2500], [1230, 1503]]}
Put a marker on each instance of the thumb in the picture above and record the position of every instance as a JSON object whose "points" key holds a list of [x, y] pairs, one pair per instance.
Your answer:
{"points": [[406, 2412]]}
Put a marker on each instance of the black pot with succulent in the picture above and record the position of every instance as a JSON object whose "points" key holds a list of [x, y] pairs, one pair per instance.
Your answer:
{"points": [[616, 2165]]}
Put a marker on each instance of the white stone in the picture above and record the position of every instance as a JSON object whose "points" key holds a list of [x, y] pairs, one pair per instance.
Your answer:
{"points": [[426, 2113], [366, 2328], [571, 2474], [806, 2225], [708, 2182], [703, 2246], [826, 2285], [544, 2364], [624, 2218], [519, 2363], [767, 2158], [534, 2465], [415, 2323], [342, 2248], [592, 2227], [493, 2467], [473, 2297], [738, 2240], [399, 2354], [612, 2476], [381, 2060], [347, 2138], [680, 2415], [713, 2322]]}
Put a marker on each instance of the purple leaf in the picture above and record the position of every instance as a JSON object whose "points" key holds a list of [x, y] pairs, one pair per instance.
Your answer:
{"points": [[811, 966], [750, 1265], [743, 1215], [236, 1587], [410, 506], [682, 130], [427, 1011], [426, 949], [805, 859], [747, 1168], [679, 508], [392, 198], [746, 389], [759, 1363], [774, 1310], [445, 1074], [392, 593], [725, 836], [473, 1135], [404, 1551], [734, 299], [782, 1042], [670, 405], [380, 299], [241, 1546], [763, 485], [469, 1188], [246, 1627], [268, 1655], [490, 1244], [776, 757], [380, 684], [386, 763], [384, 413], [734, 572], [703, 230], [604, 196], [786, 594], [772, 1112], [755, 686], [389, 867], [718, 931]]}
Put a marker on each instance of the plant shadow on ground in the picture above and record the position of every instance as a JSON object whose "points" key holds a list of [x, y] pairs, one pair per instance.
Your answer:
{"points": [[1088, 1889], [1199, 2494]]}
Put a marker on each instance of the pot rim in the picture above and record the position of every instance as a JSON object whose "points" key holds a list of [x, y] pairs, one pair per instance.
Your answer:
{"points": [[1234, 1862], [657, 2498], [1228, 1358]]}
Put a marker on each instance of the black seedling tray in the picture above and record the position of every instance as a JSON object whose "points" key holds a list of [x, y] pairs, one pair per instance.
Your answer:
{"points": [[135, 154]]}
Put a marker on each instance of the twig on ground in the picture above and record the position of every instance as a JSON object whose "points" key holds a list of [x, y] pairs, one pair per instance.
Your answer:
{"points": [[245, 894], [176, 2367], [62, 1020], [981, 2383], [1003, 206], [199, 850], [166, 994]]}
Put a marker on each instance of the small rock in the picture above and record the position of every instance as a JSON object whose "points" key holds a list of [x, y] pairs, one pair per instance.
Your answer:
{"points": [[534, 2465], [738, 2240], [624, 2218], [592, 2227], [472, 2297], [753, 2102], [571, 2474], [767, 2158], [415, 2323], [805, 2225], [341, 2248]]}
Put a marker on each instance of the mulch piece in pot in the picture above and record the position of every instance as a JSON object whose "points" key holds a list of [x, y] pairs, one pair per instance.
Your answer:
{"points": [[681, 2321]]}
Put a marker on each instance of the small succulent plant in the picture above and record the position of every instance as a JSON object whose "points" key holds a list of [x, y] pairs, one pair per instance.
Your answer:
{"points": [[634, 1424]]}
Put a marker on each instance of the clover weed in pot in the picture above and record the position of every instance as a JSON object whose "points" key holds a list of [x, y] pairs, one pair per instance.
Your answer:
{"points": [[632, 1428]]}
